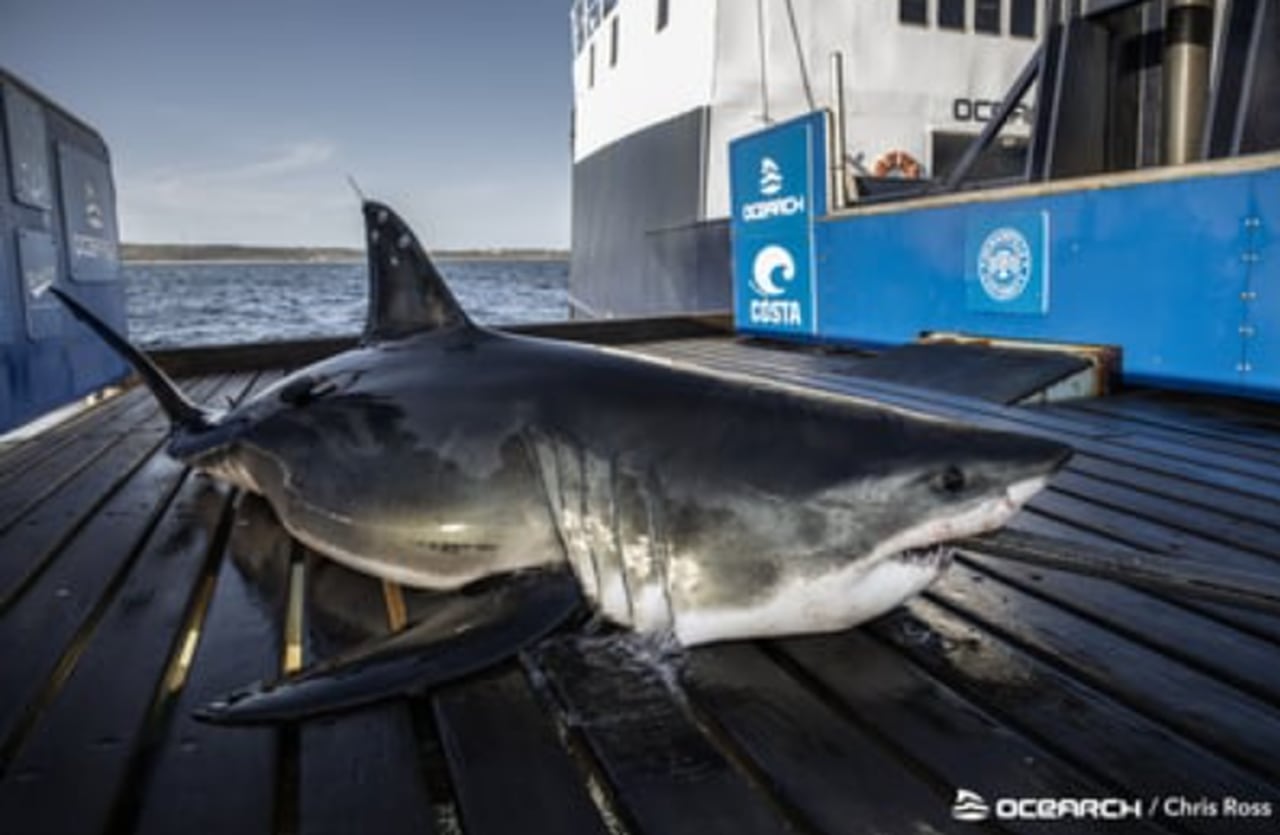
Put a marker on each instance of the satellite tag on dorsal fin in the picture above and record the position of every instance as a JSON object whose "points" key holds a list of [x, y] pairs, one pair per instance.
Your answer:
{"points": [[406, 293]]}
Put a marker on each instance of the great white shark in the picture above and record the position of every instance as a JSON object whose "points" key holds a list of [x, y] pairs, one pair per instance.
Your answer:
{"points": [[511, 473]]}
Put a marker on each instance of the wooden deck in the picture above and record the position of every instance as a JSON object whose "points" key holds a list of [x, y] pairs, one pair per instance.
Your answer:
{"points": [[132, 590]]}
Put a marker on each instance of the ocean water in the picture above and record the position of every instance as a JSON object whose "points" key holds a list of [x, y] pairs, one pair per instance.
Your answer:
{"points": [[178, 304]]}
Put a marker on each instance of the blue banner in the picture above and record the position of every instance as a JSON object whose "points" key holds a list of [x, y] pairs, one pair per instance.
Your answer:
{"points": [[777, 186]]}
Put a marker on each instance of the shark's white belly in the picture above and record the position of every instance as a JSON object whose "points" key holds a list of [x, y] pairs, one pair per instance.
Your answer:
{"points": [[816, 604]]}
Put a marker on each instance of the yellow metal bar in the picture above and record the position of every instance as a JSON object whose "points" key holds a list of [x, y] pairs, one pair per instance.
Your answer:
{"points": [[393, 596]]}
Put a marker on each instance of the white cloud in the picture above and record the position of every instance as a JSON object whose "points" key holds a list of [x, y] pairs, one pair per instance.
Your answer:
{"points": [[291, 194], [298, 194]]}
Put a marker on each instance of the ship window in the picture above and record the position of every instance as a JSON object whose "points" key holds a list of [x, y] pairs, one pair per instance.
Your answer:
{"points": [[613, 43], [591, 66], [577, 21], [88, 215], [664, 14], [1022, 18], [951, 14], [913, 11], [28, 149], [986, 16]]}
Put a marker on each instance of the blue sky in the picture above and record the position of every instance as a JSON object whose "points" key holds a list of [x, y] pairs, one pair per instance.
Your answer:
{"points": [[238, 120]]}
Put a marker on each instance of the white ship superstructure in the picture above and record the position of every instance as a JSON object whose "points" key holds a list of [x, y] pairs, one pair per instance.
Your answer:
{"points": [[662, 86]]}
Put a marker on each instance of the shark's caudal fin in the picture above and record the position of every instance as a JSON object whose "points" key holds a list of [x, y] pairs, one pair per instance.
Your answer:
{"points": [[471, 631], [180, 410], [406, 293]]}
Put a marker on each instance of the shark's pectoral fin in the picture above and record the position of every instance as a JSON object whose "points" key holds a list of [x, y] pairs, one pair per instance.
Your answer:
{"points": [[472, 629]]}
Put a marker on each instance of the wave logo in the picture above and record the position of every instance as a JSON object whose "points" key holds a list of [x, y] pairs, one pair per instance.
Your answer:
{"points": [[969, 807], [771, 263], [770, 177]]}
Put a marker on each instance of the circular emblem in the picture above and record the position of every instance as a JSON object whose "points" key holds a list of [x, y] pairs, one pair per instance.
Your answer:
{"points": [[1004, 264]]}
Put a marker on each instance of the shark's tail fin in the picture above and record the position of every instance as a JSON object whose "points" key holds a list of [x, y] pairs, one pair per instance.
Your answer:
{"points": [[180, 410]]}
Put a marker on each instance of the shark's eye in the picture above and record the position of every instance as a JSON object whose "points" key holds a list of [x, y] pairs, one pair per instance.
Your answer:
{"points": [[950, 480]]}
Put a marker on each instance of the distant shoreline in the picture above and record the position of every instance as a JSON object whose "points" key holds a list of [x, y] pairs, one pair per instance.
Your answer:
{"points": [[229, 254]]}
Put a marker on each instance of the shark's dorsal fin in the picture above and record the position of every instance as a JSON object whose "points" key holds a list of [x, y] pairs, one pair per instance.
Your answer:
{"points": [[406, 293]]}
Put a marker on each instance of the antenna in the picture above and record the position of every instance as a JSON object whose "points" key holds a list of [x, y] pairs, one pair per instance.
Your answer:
{"points": [[351, 181]]}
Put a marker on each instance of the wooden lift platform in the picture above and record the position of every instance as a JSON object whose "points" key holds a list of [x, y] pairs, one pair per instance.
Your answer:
{"points": [[132, 590]]}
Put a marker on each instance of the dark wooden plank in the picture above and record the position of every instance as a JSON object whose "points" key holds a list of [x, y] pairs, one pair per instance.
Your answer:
{"points": [[625, 331], [360, 773], [44, 629], [952, 737], [1198, 706], [1266, 627], [1220, 423], [1209, 523], [1182, 446], [992, 373], [1147, 535], [41, 628], [665, 775], [1122, 411], [21, 455], [1235, 412], [1230, 503], [209, 359], [372, 754], [91, 731], [1078, 723], [202, 778], [27, 547], [23, 490], [510, 774], [830, 771], [1246, 662]]}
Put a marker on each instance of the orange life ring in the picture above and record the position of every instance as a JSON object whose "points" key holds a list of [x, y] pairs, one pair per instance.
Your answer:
{"points": [[899, 161]]}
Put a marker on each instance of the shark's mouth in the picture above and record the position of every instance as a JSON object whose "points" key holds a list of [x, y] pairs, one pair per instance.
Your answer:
{"points": [[939, 554], [931, 543]]}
